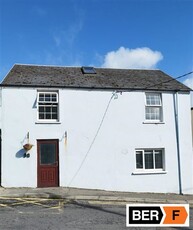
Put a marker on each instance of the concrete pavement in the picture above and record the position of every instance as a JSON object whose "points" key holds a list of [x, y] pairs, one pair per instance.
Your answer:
{"points": [[96, 196]]}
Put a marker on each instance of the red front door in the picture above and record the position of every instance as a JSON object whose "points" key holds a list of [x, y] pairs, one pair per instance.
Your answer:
{"points": [[48, 163]]}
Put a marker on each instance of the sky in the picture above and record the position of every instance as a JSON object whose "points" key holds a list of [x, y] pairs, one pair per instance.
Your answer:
{"points": [[133, 34]]}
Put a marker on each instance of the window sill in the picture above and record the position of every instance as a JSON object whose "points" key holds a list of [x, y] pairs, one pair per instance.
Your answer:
{"points": [[148, 172], [48, 122], [154, 122]]}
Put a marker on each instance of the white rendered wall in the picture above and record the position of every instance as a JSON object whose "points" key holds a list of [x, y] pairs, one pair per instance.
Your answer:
{"points": [[106, 157]]}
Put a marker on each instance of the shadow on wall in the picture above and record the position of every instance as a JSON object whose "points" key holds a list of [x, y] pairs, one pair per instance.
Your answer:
{"points": [[20, 153]]}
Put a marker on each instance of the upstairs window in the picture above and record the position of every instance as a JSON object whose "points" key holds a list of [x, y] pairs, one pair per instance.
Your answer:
{"points": [[153, 107], [48, 106], [150, 159]]}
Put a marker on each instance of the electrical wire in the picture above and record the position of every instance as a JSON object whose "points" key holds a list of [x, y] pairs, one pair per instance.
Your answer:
{"points": [[173, 79], [93, 141], [183, 75]]}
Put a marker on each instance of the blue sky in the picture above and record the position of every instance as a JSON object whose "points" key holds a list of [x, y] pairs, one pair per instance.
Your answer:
{"points": [[103, 33]]}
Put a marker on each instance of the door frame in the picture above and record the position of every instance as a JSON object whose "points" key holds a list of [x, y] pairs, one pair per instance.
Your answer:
{"points": [[39, 141]]}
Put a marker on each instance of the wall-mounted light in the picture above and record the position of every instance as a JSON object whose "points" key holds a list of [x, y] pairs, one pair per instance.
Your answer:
{"points": [[115, 95]]}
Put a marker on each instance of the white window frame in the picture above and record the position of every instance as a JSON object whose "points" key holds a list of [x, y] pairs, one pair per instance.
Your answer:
{"points": [[48, 103], [154, 169], [153, 106]]}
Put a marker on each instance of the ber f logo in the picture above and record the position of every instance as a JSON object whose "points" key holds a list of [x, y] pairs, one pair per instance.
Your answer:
{"points": [[175, 214], [157, 215]]}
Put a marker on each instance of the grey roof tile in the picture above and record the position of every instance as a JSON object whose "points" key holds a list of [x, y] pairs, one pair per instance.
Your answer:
{"points": [[73, 77]]}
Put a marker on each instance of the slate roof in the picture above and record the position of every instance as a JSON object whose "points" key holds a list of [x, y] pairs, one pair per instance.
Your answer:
{"points": [[73, 77]]}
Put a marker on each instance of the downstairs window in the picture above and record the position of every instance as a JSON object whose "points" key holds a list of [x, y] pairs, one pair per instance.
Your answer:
{"points": [[150, 159]]}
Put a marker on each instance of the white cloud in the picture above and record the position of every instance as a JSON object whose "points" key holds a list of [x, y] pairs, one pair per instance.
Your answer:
{"points": [[189, 82], [66, 36], [72, 33], [139, 58], [39, 11], [57, 40]]}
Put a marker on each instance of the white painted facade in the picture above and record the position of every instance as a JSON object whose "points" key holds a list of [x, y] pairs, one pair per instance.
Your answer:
{"points": [[102, 136]]}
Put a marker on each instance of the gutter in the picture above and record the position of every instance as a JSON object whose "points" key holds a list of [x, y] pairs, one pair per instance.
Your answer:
{"points": [[108, 88]]}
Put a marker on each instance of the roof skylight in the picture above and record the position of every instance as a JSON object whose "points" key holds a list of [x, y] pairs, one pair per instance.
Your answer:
{"points": [[88, 70]]}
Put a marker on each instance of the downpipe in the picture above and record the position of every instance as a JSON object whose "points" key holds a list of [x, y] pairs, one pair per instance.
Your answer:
{"points": [[175, 97]]}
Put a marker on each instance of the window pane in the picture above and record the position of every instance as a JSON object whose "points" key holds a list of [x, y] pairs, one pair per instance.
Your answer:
{"points": [[153, 99], [41, 97], [152, 113], [47, 97], [158, 159], [139, 159], [54, 116], [157, 100], [47, 154], [48, 116], [148, 99], [149, 160], [54, 97], [88, 69], [54, 109], [41, 115], [47, 109], [41, 109], [147, 113]]}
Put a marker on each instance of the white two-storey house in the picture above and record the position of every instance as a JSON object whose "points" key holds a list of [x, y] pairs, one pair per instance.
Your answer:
{"points": [[95, 128]]}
